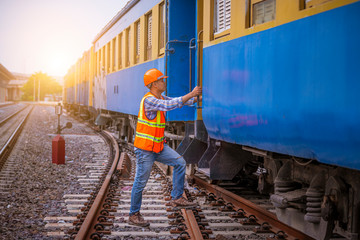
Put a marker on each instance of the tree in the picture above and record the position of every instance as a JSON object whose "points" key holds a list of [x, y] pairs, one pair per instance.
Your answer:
{"points": [[48, 85]]}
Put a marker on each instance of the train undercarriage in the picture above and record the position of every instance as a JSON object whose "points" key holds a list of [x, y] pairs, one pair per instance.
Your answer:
{"points": [[320, 200]]}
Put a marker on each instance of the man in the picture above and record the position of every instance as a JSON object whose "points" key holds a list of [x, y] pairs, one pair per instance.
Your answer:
{"points": [[149, 143]]}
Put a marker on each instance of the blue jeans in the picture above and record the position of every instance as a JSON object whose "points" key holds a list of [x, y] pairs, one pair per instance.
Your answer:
{"points": [[144, 162]]}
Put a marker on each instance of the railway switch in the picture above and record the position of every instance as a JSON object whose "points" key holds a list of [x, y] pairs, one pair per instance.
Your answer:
{"points": [[58, 143], [58, 111]]}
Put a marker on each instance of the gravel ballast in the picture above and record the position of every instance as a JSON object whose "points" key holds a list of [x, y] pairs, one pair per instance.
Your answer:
{"points": [[37, 186]]}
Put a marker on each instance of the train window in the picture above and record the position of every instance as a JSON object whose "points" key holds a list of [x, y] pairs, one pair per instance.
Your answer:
{"points": [[162, 27], [148, 38], [304, 4], [86, 67], [85, 77], [99, 61], [137, 42], [96, 63], [127, 49], [116, 89], [119, 43], [113, 45], [107, 61], [263, 11], [103, 58], [99, 70], [222, 15]]}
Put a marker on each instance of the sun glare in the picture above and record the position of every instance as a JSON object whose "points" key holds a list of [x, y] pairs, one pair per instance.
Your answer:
{"points": [[57, 64]]}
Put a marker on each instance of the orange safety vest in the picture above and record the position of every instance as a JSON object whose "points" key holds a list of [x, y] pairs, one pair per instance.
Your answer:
{"points": [[150, 133]]}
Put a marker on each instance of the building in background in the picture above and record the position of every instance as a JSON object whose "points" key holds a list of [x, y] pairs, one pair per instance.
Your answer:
{"points": [[14, 86], [5, 77]]}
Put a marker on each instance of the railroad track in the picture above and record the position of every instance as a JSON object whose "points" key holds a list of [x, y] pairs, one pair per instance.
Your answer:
{"points": [[7, 142], [10, 112], [6, 104], [6, 110], [220, 214], [107, 217], [77, 204], [8, 137], [248, 212]]}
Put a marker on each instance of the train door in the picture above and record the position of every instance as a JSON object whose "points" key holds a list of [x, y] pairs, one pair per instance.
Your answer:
{"points": [[181, 21]]}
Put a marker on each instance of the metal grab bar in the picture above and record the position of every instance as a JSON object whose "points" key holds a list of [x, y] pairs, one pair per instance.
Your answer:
{"points": [[198, 65], [190, 62]]}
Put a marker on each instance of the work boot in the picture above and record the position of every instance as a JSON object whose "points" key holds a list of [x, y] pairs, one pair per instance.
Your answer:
{"points": [[182, 203], [138, 220]]}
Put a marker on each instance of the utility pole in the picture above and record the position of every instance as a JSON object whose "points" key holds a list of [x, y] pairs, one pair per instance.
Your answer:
{"points": [[34, 90], [39, 91]]}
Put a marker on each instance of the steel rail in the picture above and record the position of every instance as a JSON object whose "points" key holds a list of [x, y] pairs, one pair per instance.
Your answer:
{"points": [[189, 218], [7, 148], [12, 115], [192, 225], [6, 104], [90, 220], [252, 208]]}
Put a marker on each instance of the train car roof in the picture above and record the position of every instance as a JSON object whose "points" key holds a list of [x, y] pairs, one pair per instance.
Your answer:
{"points": [[116, 18]]}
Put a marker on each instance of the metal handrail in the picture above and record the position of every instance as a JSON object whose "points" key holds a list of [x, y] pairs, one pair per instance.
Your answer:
{"points": [[190, 61], [198, 65]]}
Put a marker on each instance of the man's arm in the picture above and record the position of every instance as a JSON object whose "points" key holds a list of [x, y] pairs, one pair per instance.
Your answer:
{"points": [[191, 101], [195, 92], [154, 104]]}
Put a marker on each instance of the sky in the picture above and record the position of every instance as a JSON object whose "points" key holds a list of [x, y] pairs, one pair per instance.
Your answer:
{"points": [[50, 35]]}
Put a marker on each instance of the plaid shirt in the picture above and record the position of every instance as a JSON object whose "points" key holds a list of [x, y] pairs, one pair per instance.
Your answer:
{"points": [[153, 104]]}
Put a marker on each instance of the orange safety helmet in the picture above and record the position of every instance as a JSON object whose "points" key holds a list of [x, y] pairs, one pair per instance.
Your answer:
{"points": [[153, 75]]}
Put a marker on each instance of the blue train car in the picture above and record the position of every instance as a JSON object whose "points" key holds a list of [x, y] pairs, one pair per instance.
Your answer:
{"points": [[69, 87], [70, 95], [290, 89], [83, 93], [77, 85], [280, 81], [82, 82]]}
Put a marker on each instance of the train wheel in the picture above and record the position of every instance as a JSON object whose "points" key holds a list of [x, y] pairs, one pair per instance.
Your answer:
{"points": [[334, 206]]}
